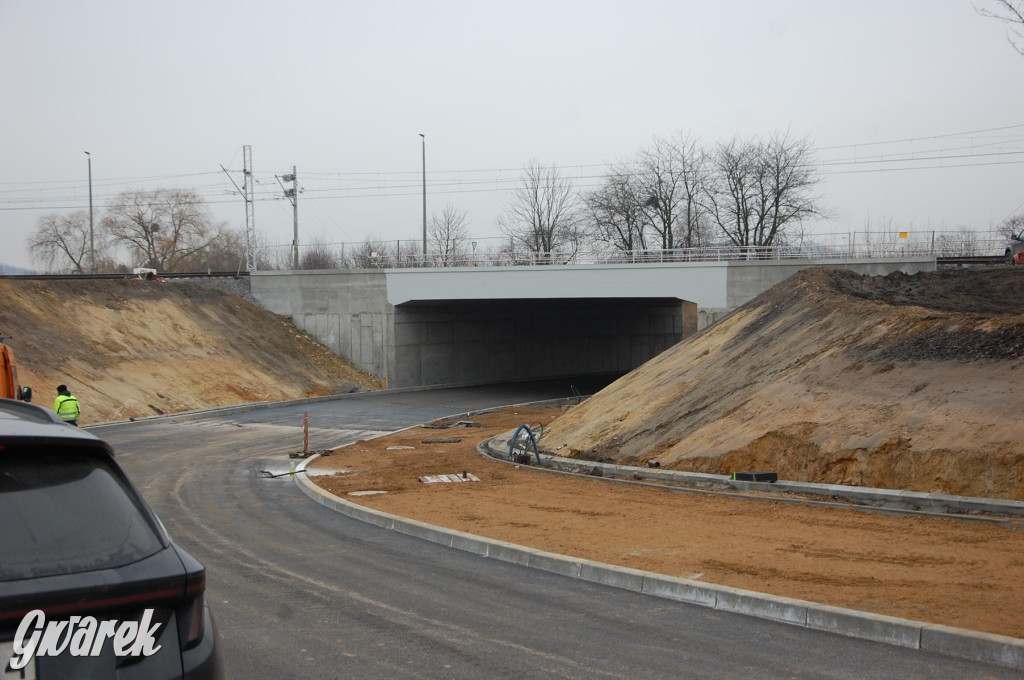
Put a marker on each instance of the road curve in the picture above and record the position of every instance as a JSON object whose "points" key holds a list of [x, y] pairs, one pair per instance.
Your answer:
{"points": [[302, 592]]}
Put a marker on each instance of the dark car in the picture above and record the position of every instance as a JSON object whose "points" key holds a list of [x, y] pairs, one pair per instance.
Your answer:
{"points": [[88, 567], [1014, 247]]}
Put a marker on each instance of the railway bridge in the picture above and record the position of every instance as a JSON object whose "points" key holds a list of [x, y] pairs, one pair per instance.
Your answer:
{"points": [[466, 325]]}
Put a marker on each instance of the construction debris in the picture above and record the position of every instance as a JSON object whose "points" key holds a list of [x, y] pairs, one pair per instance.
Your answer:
{"points": [[442, 440], [448, 479], [307, 454], [445, 426], [759, 476]]}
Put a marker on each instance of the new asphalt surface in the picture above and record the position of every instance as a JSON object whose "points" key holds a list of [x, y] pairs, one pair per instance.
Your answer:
{"points": [[300, 591]]}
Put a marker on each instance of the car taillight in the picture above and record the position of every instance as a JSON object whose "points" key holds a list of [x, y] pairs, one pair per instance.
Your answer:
{"points": [[191, 625]]}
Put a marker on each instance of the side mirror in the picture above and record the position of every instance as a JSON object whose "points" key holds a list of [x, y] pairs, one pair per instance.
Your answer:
{"points": [[26, 394]]}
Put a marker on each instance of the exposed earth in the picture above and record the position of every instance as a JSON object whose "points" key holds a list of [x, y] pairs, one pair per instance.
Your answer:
{"points": [[938, 570], [128, 349], [901, 382]]}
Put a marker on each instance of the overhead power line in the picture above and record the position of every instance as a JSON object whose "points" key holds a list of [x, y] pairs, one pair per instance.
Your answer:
{"points": [[66, 194], [446, 190]]}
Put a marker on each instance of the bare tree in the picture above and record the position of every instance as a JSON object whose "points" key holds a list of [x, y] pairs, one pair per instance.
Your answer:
{"points": [[61, 242], [167, 229], [729, 192], [670, 176], [616, 215], [786, 179], [318, 255], [543, 216], [408, 253], [964, 242], [1010, 12], [1012, 226], [693, 229], [449, 235], [758, 189], [226, 252], [372, 254]]}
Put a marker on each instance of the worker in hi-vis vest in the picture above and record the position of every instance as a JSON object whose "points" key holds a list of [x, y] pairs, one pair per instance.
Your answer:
{"points": [[66, 405]]}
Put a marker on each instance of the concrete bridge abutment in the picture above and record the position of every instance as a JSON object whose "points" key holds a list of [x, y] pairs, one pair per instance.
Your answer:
{"points": [[498, 324]]}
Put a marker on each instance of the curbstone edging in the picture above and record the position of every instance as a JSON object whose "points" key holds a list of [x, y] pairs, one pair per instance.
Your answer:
{"points": [[508, 552], [948, 641], [681, 590], [782, 609], [555, 564], [867, 626], [995, 649], [960, 507], [428, 532], [470, 545], [616, 577]]}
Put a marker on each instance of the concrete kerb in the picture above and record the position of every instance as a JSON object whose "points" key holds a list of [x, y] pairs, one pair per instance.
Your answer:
{"points": [[877, 627], [995, 649], [882, 499], [949, 641]]}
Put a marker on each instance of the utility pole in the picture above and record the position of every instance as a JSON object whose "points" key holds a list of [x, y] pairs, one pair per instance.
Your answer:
{"points": [[247, 190], [292, 194], [92, 242], [295, 216], [424, 138]]}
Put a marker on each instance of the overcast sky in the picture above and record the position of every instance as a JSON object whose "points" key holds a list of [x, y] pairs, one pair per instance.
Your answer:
{"points": [[163, 94]]}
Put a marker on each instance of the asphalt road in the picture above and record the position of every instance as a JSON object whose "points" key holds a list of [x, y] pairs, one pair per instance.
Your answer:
{"points": [[299, 591]]}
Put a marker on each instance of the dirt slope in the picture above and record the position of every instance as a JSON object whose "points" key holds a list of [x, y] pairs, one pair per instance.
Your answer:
{"points": [[910, 382], [138, 348]]}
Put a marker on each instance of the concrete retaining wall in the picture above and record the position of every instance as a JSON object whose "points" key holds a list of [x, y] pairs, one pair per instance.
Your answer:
{"points": [[346, 310]]}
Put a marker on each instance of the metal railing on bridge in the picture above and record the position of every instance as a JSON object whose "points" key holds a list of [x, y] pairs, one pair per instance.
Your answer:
{"points": [[912, 245]]}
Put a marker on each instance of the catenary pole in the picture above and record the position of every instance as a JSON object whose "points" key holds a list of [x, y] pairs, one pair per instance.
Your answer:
{"points": [[92, 242], [424, 138], [295, 217]]}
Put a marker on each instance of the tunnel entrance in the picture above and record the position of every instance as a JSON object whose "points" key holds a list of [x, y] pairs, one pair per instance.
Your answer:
{"points": [[475, 341]]}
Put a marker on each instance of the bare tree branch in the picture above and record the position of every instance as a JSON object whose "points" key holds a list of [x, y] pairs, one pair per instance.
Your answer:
{"points": [[616, 215], [372, 253], [1010, 12], [1012, 226], [670, 175], [318, 255], [543, 215], [61, 243], [169, 230], [449, 235], [758, 189]]}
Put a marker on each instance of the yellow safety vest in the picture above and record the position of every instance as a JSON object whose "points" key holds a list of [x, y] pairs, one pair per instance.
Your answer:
{"points": [[66, 407]]}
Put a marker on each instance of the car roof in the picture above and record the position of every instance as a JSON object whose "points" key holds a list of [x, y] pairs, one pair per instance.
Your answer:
{"points": [[31, 424]]}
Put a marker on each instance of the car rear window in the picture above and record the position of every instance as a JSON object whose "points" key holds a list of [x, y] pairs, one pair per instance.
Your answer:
{"points": [[67, 512]]}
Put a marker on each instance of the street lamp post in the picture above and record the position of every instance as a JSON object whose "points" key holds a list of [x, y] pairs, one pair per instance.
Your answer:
{"points": [[424, 139], [92, 243]]}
